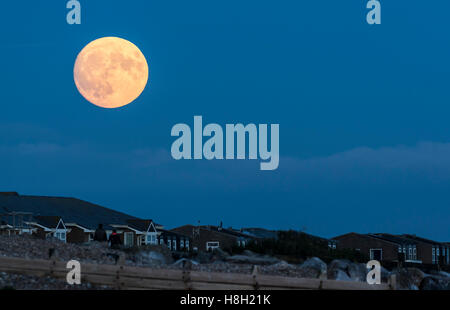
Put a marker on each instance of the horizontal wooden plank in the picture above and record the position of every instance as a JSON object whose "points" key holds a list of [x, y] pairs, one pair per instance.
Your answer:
{"points": [[218, 277], [288, 282], [219, 286], [126, 277], [348, 285]]}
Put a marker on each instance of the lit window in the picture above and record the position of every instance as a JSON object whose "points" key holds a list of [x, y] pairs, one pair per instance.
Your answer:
{"points": [[212, 245], [128, 239], [61, 235]]}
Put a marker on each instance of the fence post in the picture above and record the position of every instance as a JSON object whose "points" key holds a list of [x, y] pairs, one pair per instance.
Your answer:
{"points": [[52, 266], [119, 285], [255, 279], [186, 275], [392, 282]]}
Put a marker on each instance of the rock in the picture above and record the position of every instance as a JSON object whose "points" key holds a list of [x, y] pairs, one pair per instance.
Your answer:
{"points": [[153, 258], [409, 278], [282, 266], [249, 253], [337, 268], [314, 268], [184, 262], [252, 260], [385, 275], [435, 283], [219, 255], [204, 257], [340, 275], [345, 270], [357, 272]]}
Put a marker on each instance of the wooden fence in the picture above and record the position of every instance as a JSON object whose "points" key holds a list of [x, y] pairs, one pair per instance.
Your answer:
{"points": [[128, 277]]}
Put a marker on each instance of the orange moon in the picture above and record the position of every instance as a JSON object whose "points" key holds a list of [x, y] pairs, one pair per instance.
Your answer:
{"points": [[111, 72]]}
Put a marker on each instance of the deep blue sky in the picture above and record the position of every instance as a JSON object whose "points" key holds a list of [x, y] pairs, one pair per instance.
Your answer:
{"points": [[364, 112]]}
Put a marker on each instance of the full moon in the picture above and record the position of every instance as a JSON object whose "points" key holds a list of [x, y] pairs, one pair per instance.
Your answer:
{"points": [[111, 72]]}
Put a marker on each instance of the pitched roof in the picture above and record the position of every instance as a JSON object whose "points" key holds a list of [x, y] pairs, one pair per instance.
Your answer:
{"points": [[394, 239], [364, 236], [48, 221], [231, 232], [420, 239], [71, 210], [138, 224], [171, 232]]}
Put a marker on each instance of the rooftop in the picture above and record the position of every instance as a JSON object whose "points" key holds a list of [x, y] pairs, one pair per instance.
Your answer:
{"points": [[71, 210]]}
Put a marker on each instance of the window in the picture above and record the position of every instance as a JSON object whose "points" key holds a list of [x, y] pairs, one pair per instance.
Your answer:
{"points": [[415, 253], [151, 239], [433, 259], [187, 244], [169, 243], [174, 244], [212, 245], [376, 254], [410, 253], [181, 244], [60, 235], [128, 239]]}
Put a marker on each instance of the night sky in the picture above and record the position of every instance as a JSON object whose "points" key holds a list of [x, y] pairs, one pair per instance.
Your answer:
{"points": [[364, 112]]}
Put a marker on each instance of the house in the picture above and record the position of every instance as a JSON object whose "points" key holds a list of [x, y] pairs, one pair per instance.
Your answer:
{"points": [[15, 223], [79, 234], [138, 232], [207, 238], [242, 239], [49, 227], [148, 233], [379, 247], [447, 244], [175, 241], [129, 235], [84, 217], [431, 252], [407, 248]]}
